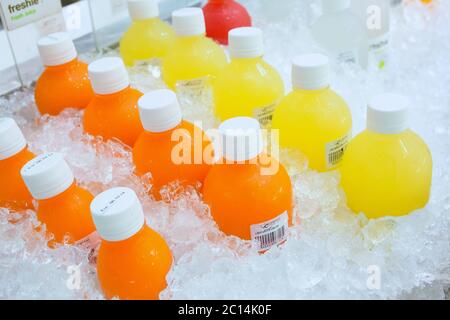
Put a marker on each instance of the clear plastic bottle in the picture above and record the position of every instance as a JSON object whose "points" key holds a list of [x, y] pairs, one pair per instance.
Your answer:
{"points": [[194, 58], [133, 260], [148, 37], [63, 206], [113, 112], [64, 82], [340, 33], [14, 154], [375, 16], [249, 192], [313, 118], [248, 86], [387, 168], [167, 147]]}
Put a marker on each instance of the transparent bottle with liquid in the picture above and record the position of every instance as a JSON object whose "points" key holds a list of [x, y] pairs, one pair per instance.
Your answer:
{"points": [[340, 34], [376, 19], [194, 59], [313, 118], [148, 37], [387, 168], [248, 86], [133, 260]]}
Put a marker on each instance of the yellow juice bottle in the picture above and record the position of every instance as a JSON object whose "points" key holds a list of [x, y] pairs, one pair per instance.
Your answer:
{"points": [[148, 36], [313, 118], [387, 168], [248, 86], [193, 59]]}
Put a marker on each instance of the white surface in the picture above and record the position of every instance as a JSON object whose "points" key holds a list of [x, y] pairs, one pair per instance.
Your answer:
{"points": [[311, 72], [56, 49], [188, 22], [241, 139], [159, 110], [143, 9], [117, 214], [246, 42], [108, 75], [47, 175], [12, 140], [387, 113]]}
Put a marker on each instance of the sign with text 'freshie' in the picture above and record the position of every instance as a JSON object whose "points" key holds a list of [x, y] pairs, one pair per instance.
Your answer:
{"points": [[17, 13]]}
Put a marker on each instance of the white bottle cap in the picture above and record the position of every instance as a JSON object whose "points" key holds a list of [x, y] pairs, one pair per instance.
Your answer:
{"points": [[241, 139], [159, 110], [143, 9], [117, 214], [335, 5], [188, 22], [108, 75], [12, 140], [246, 42], [56, 49], [311, 72], [47, 175], [388, 113]]}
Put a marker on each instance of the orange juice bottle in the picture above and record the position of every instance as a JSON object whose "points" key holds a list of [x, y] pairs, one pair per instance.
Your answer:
{"points": [[62, 205], [248, 198], [170, 148], [14, 154], [133, 260], [64, 82], [193, 59], [113, 112]]}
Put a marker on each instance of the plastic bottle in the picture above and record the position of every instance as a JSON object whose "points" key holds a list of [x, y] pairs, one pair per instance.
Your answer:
{"points": [[221, 16], [113, 113], [248, 86], [387, 168], [376, 20], [14, 153], [148, 36], [340, 33], [63, 206], [313, 118], [64, 82], [194, 59], [170, 148], [249, 193], [133, 260]]}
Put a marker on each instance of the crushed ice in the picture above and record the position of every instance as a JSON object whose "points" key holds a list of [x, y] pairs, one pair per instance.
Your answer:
{"points": [[331, 252]]}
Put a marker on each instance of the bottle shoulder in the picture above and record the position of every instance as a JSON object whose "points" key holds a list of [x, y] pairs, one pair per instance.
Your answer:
{"points": [[311, 100]]}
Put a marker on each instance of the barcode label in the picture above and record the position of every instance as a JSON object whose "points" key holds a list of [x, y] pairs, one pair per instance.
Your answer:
{"points": [[265, 114], [267, 234], [335, 150]]}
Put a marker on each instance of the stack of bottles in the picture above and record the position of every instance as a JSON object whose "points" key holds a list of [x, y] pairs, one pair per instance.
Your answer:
{"points": [[385, 170]]}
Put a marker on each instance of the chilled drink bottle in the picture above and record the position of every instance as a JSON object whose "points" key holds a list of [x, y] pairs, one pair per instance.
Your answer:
{"points": [[313, 118], [387, 168], [148, 37], [133, 260], [248, 86], [14, 154], [64, 82]]}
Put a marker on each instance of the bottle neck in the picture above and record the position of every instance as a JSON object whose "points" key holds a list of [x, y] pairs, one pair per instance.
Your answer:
{"points": [[113, 95], [127, 242], [254, 60], [63, 66], [146, 21], [66, 193]]}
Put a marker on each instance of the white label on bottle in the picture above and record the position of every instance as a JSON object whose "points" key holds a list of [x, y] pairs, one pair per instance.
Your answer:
{"points": [[347, 57], [193, 84], [264, 114], [334, 151], [378, 48], [90, 242], [17, 13], [265, 235]]}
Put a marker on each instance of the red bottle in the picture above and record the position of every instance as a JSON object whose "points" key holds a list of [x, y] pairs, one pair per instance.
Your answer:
{"points": [[222, 16]]}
